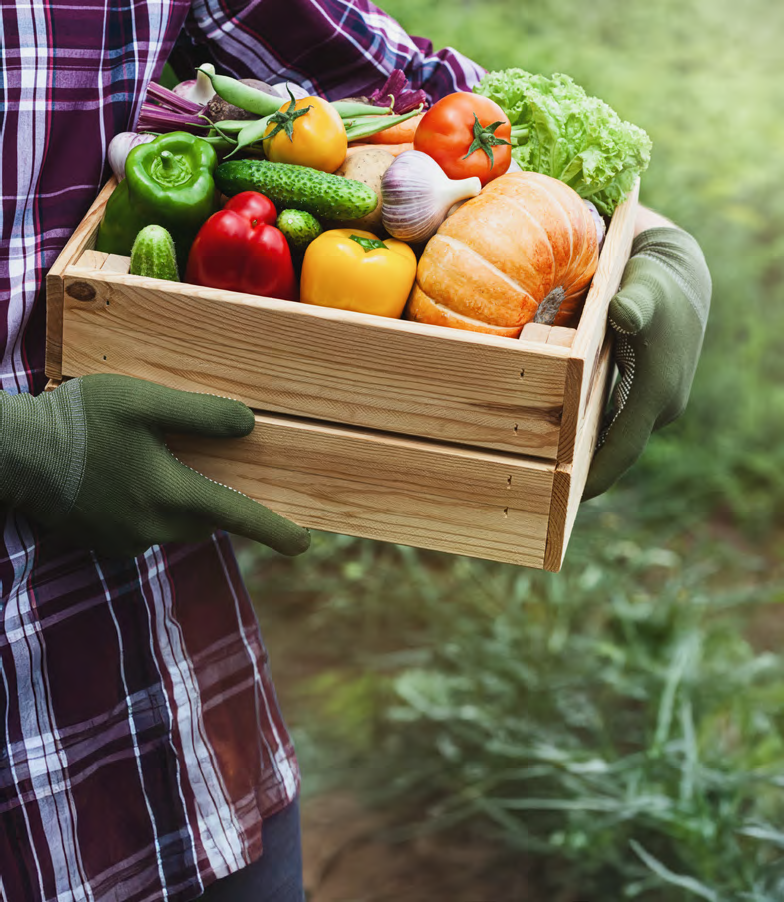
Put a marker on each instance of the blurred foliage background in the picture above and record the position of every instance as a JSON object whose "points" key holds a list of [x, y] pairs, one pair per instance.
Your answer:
{"points": [[620, 723]]}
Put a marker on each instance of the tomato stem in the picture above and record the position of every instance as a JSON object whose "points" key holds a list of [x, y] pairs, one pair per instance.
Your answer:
{"points": [[485, 139], [284, 119]]}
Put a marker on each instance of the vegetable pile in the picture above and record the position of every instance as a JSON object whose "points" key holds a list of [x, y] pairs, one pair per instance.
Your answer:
{"points": [[409, 212]]}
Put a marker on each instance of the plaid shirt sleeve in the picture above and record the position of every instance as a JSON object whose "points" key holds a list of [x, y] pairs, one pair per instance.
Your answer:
{"points": [[141, 744], [333, 48]]}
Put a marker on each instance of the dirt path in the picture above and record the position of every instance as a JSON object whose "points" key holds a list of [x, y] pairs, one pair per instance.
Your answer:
{"points": [[348, 853], [348, 859]]}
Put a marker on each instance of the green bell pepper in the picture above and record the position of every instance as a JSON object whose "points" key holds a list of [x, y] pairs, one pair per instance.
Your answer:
{"points": [[168, 182]]}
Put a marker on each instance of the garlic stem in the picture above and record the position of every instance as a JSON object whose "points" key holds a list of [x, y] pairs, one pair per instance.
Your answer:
{"points": [[460, 189]]}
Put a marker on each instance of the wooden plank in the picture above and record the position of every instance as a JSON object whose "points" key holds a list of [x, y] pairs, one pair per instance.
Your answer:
{"points": [[314, 362], [561, 336], [483, 504], [570, 478], [588, 342], [90, 260], [116, 263], [82, 238], [536, 332]]}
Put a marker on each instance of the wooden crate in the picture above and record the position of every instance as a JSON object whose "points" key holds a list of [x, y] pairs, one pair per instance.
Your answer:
{"points": [[421, 435]]}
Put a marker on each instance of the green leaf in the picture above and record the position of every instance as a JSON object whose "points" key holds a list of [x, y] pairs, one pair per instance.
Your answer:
{"points": [[688, 883]]}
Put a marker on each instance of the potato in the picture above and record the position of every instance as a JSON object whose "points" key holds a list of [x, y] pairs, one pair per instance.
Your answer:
{"points": [[367, 166]]}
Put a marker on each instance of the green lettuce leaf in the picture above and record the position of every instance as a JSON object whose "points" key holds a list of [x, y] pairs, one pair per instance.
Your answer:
{"points": [[560, 131]]}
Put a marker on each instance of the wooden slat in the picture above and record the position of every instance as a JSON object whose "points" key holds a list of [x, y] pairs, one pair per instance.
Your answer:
{"points": [[332, 365], [561, 336], [116, 263], [588, 341], [591, 330], [410, 492], [89, 260], [535, 332], [570, 478], [82, 238]]}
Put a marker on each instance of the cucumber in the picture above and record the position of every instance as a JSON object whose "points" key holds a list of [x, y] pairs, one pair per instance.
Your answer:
{"points": [[153, 254], [299, 228], [299, 187]]}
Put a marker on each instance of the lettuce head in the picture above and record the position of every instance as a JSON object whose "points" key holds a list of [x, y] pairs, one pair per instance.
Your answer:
{"points": [[558, 130]]}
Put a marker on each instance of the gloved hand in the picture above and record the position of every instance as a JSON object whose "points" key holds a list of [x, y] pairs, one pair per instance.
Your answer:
{"points": [[89, 461], [659, 316]]}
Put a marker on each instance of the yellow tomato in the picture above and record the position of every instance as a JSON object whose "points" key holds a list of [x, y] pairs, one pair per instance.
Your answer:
{"points": [[366, 275], [307, 132]]}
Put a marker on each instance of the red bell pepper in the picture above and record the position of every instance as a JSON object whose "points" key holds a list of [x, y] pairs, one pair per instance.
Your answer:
{"points": [[239, 249]]}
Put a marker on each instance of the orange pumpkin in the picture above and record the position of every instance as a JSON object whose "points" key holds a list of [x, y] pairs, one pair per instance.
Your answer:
{"points": [[495, 259]]}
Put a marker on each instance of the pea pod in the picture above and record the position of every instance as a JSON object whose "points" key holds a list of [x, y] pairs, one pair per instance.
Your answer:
{"points": [[220, 143], [243, 96], [351, 109], [262, 104], [231, 126], [253, 132], [366, 126]]}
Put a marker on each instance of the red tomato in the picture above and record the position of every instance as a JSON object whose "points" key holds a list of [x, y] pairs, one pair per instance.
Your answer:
{"points": [[467, 135]]}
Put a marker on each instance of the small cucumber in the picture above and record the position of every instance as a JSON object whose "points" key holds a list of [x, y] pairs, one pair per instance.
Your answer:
{"points": [[299, 228], [299, 187], [153, 254]]}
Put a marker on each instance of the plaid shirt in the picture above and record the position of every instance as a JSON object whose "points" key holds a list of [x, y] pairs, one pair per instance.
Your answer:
{"points": [[140, 740]]}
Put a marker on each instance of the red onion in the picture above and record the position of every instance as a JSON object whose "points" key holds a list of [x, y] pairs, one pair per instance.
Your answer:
{"points": [[198, 90], [601, 228]]}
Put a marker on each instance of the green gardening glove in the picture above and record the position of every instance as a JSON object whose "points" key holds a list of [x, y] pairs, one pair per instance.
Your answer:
{"points": [[659, 316], [89, 461]]}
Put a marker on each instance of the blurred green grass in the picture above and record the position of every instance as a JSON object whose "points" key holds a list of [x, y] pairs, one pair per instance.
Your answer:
{"points": [[621, 720]]}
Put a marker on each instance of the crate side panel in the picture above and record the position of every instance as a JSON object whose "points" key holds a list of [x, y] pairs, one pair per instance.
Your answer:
{"points": [[570, 479], [82, 239], [416, 493], [589, 339], [287, 358]]}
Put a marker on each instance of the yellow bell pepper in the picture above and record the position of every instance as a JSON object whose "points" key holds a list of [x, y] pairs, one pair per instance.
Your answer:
{"points": [[354, 270]]}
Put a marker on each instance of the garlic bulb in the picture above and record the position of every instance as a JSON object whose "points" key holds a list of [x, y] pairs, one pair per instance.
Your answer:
{"points": [[119, 148], [417, 195]]}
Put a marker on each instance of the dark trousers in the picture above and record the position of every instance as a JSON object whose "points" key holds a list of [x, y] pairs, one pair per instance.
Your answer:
{"points": [[277, 875]]}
